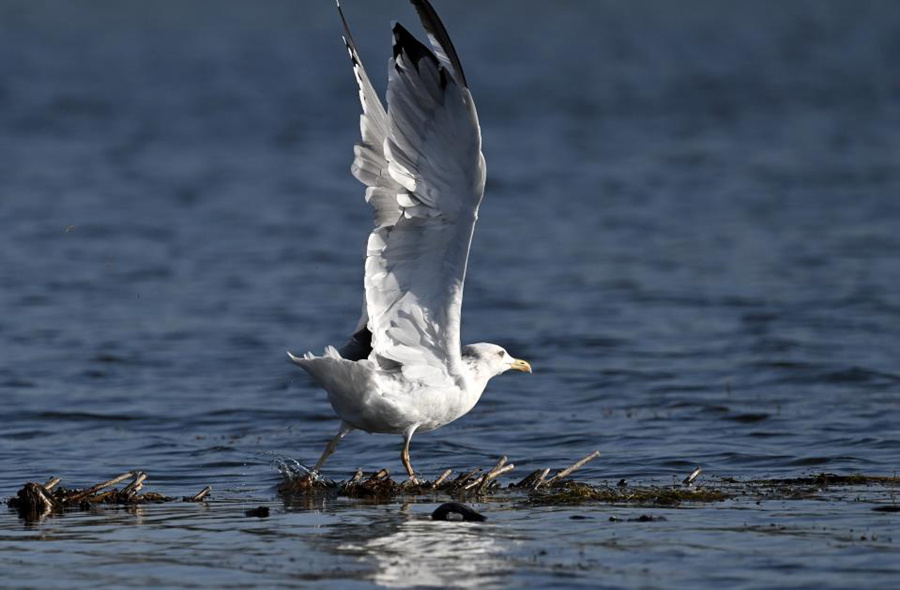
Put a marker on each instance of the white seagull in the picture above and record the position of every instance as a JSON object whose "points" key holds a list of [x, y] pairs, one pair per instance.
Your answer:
{"points": [[404, 369]]}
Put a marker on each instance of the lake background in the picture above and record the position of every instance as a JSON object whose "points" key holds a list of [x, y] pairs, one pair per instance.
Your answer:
{"points": [[691, 230]]}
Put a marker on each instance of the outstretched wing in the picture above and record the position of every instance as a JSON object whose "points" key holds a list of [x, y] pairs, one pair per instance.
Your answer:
{"points": [[369, 164], [370, 168], [416, 265]]}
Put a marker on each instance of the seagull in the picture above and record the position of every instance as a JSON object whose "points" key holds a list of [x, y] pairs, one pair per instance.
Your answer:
{"points": [[404, 369]]}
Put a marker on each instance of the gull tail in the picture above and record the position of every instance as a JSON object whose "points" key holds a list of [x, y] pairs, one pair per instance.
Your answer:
{"points": [[320, 368], [330, 352], [347, 382], [300, 360]]}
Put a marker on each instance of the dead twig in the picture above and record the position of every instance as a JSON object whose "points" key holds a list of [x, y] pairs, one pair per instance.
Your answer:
{"points": [[477, 481], [482, 481], [199, 496], [441, 479], [100, 497], [494, 474], [503, 470], [499, 464], [463, 479], [529, 479], [568, 470], [689, 480], [94, 489], [134, 487]]}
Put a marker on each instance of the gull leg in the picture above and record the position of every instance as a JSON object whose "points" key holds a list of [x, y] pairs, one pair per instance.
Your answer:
{"points": [[345, 428], [404, 456]]}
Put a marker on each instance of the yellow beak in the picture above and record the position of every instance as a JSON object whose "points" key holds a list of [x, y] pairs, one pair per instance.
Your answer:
{"points": [[520, 365]]}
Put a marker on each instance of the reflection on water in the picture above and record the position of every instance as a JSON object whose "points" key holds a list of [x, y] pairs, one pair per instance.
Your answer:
{"points": [[399, 546], [423, 552], [396, 546]]}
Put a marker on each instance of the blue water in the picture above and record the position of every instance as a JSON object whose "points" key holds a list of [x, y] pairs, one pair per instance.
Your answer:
{"points": [[691, 230]]}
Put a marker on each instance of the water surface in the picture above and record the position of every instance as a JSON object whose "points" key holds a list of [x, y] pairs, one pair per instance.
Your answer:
{"points": [[690, 230]]}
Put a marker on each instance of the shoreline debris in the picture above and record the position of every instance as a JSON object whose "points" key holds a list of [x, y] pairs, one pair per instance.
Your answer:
{"points": [[475, 482], [538, 487], [35, 501], [575, 466]]}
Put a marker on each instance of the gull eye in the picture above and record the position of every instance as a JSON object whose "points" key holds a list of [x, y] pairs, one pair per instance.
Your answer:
{"points": [[501, 353]]}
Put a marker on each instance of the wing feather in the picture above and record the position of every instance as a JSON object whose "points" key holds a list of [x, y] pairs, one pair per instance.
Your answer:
{"points": [[370, 168], [440, 40], [369, 163], [415, 270], [422, 164]]}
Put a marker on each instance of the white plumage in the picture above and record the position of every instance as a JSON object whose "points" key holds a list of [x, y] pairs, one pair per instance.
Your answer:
{"points": [[405, 369]]}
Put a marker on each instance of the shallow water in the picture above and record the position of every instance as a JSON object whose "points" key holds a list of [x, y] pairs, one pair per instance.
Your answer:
{"points": [[690, 230]]}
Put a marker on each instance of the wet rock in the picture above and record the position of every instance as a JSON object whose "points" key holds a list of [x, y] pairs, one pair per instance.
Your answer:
{"points": [[258, 512], [648, 518], [462, 512]]}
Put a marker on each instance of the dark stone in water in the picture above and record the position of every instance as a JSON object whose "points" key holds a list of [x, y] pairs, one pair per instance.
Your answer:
{"points": [[748, 418], [893, 508], [647, 518], [259, 512], [444, 511]]}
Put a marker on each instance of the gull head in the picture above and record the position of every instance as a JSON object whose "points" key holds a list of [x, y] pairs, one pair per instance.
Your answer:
{"points": [[492, 360]]}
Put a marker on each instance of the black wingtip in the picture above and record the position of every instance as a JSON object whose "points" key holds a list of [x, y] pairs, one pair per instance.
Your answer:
{"points": [[438, 31], [348, 38], [404, 42]]}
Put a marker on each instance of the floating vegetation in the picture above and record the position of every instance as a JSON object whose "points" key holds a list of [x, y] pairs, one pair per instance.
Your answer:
{"points": [[823, 480], [538, 487], [579, 493], [474, 482], [36, 500]]}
